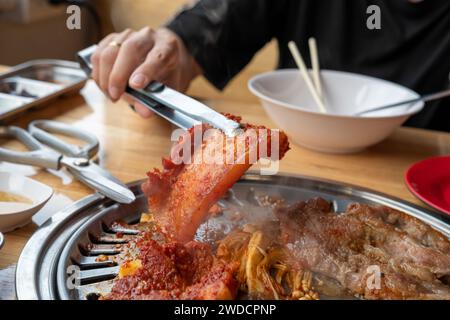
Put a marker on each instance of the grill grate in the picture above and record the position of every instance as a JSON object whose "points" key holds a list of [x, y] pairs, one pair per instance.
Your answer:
{"points": [[98, 256]]}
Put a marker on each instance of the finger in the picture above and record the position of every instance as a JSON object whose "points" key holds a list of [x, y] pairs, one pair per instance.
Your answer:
{"points": [[133, 51], [142, 110], [95, 58], [160, 61], [108, 57]]}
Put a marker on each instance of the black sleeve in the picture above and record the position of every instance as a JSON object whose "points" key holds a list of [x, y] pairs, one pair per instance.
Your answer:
{"points": [[224, 35]]}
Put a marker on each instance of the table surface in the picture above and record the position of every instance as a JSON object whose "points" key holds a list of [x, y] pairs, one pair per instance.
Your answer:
{"points": [[130, 146]]}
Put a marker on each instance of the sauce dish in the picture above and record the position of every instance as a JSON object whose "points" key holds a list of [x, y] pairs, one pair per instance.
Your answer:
{"points": [[20, 199]]}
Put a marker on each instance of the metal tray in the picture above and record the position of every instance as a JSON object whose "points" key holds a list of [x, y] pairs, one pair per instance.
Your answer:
{"points": [[41, 271], [37, 82]]}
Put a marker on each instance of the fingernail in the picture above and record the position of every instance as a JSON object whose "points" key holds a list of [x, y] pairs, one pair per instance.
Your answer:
{"points": [[114, 92], [139, 80]]}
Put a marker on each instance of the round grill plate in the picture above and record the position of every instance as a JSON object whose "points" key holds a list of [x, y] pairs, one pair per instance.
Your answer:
{"points": [[77, 236]]}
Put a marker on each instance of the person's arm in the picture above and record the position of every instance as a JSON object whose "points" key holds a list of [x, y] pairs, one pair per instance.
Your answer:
{"points": [[216, 38], [224, 35]]}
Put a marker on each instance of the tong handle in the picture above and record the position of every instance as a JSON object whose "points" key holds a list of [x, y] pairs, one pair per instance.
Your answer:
{"points": [[42, 129], [84, 58], [38, 156], [145, 95]]}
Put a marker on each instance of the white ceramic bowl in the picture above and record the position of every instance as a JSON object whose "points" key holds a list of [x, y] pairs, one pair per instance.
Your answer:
{"points": [[287, 100], [14, 216]]}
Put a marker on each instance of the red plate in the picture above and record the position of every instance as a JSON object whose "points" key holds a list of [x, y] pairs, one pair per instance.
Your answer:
{"points": [[429, 180]]}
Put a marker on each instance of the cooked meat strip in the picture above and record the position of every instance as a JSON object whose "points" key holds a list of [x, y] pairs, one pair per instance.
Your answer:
{"points": [[181, 195], [405, 247], [344, 248]]}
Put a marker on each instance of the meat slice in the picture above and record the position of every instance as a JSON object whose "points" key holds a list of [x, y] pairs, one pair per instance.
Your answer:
{"points": [[413, 227], [349, 249], [407, 240], [181, 195]]}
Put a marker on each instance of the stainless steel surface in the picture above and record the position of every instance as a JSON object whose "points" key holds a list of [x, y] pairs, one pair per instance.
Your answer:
{"points": [[36, 82], [175, 117], [38, 156], [94, 176], [82, 168], [10, 103], [84, 58], [424, 98], [194, 109], [27, 88], [42, 129], [82, 232], [179, 109], [2, 240]]}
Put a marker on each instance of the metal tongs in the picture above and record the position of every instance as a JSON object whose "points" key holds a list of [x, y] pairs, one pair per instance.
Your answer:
{"points": [[170, 104]]}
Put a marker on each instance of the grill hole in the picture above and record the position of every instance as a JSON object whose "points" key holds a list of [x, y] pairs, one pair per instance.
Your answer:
{"points": [[92, 276], [96, 280], [116, 228], [93, 296], [107, 238], [85, 264]]}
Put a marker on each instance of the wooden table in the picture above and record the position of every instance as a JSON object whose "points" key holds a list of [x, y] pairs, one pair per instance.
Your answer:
{"points": [[130, 146]]}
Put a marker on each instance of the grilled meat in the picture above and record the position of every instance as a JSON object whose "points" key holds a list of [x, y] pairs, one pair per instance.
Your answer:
{"points": [[426, 250], [351, 247], [309, 250], [367, 252], [181, 195]]}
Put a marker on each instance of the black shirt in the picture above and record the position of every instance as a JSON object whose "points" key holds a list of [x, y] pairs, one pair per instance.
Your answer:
{"points": [[411, 48]]}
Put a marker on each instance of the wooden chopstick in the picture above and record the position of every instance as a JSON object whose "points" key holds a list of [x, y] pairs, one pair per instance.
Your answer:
{"points": [[315, 66], [304, 72]]}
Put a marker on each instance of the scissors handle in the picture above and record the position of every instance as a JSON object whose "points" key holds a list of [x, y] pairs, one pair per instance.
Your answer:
{"points": [[38, 156], [42, 129]]}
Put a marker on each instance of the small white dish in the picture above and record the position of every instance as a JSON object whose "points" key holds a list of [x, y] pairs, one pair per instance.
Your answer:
{"points": [[287, 100], [14, 215]]}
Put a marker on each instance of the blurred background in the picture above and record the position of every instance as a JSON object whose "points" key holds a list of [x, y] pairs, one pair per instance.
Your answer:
{"points": [[36, 29]]}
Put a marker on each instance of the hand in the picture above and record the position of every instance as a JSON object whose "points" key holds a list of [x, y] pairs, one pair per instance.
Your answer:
{"points": [[139, 57]]}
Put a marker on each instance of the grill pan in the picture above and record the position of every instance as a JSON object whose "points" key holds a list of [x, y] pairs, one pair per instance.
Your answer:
{"points": [[77, 236]]}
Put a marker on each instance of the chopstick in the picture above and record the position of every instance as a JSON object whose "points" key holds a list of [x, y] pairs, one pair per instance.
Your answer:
{"points": [[315, 65], [304, 72]]}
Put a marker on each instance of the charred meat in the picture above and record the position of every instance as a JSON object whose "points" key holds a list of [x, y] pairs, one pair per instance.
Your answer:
{"points": [[181, 195]]}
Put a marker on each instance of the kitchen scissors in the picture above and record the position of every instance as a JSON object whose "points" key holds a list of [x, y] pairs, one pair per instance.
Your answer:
{"points": [[50, 152]]}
